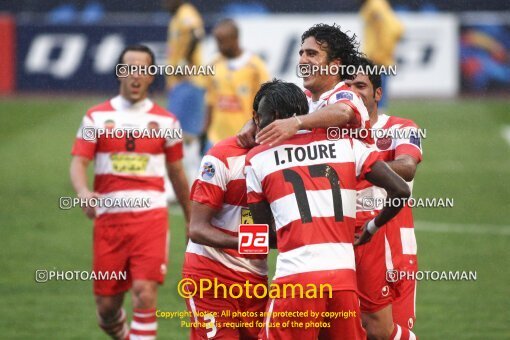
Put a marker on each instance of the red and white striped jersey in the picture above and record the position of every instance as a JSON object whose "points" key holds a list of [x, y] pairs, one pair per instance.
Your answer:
{"points": [[221, 184], [402, 138], [127, 167], [310, 184], [342, 93]]}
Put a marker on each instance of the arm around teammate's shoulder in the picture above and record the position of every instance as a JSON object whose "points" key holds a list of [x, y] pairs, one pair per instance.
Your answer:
{"points": [[202, 232], [337, 114]]}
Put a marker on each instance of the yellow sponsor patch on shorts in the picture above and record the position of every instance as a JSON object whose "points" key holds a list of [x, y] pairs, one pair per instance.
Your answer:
{"points": [[129, 163]]}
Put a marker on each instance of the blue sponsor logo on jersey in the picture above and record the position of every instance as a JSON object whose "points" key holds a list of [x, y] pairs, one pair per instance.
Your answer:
{"points": [[414, 138], [344, 94], [208, 171]]}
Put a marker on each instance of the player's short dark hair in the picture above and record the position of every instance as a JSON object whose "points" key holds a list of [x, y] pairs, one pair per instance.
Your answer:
{"points": [[339, 45], [228, 22], [284, 98], [138, 48], [374, 77]]}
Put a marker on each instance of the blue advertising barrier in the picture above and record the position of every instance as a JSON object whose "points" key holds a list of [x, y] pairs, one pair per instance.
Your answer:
{"points": [[79, 57]]}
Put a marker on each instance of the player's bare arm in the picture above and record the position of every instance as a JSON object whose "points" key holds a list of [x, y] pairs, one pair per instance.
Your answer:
{"points": [[405, 166], [180, 184], [78, 172], [383, 176], [337, 114], [261, 213], [201, 230]]}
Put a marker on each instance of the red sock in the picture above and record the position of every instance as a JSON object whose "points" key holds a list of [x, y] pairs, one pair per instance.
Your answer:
{"points": [[144, 325], [402, 333], [116, 328]]}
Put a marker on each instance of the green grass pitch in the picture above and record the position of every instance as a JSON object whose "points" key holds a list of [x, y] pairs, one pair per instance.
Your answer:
{"points": [[465, 158]]}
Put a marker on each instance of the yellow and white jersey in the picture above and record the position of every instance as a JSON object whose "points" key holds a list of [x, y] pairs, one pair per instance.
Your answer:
{"points": [[231, 91], [184, 24], [382, 31]]}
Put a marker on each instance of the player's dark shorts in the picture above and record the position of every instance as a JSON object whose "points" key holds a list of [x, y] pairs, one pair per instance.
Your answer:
{"points": [[140, 250]]}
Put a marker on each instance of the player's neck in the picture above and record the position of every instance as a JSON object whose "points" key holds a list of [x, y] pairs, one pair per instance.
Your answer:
{"points": [[236, 53], [132, 102], [373, 117], [373, 113]]}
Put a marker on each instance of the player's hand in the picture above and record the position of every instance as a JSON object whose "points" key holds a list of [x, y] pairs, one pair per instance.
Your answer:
{"points": [[278, 131], [89, 211], [362, 237], [246, 137]]}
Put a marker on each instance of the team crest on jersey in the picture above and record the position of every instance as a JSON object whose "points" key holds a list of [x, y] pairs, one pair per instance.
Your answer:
{"points": [[383, 143], [344, 94], [109, 124], [153, 126], [208, 171]]}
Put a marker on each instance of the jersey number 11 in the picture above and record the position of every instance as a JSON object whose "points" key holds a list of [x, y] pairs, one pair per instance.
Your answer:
{"points": [[318, 170]]}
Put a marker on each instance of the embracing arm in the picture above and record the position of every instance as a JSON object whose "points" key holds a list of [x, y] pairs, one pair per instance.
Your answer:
{"points": [[202, 232], [382, 176], [405, 166], [337, 114]]}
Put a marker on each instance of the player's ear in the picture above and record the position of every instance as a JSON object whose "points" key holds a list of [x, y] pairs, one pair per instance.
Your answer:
{"points": [[378, 94], [276, 116], [336, 61]]}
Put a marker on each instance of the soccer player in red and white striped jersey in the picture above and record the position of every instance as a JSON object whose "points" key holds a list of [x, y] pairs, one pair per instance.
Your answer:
{"points": [[331, 102], [219, 206], [305, 188], [133, 239], [393, 248]]}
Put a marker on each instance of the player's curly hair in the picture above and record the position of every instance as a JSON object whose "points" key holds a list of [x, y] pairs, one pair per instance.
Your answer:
{"points": [[284, 99], [337, 44]]}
